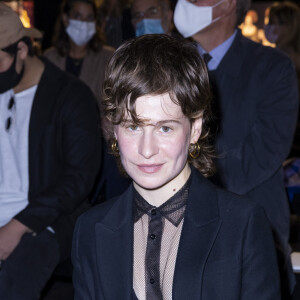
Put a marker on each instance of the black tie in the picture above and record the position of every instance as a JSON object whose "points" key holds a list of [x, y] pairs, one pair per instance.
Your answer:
{"points": [[206, 57]]}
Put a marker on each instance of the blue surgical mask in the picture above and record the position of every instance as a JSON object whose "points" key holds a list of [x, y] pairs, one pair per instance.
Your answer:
{"points": [[148, 26]]}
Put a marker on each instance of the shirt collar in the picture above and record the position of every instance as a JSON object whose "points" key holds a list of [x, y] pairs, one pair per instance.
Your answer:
{"points": [[173, 209], [218, 53]]}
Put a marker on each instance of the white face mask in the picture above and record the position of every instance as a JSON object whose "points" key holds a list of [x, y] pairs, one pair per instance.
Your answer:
{"points": [[80, 32], [190, 19]]}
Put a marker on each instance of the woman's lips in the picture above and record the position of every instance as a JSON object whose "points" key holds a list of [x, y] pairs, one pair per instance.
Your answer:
{"points": [[149, 169]]}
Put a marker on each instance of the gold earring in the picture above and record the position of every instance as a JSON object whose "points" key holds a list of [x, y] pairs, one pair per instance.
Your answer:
{"points": [[194, 150], [114, 148]]}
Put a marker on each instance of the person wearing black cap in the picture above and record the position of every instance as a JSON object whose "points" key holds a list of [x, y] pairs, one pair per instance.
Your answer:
{"points": [[49, 158]]}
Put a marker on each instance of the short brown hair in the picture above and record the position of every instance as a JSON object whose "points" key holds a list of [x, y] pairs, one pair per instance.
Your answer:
{"points": [[155, 65]]}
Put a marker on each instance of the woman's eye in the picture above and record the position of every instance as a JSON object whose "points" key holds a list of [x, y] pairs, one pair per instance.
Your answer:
{"points": [[76, 16], [165, 129], [133, 127]]}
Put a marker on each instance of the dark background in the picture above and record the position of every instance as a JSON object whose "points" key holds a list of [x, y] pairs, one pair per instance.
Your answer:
{"points": [[46, 11]]}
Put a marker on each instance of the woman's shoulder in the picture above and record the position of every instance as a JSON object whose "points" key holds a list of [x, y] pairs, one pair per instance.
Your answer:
{"points": [[98, 59], [230, 205], [108, 49], [53, 55], [105, 51], [51, 52], [98, 212]]}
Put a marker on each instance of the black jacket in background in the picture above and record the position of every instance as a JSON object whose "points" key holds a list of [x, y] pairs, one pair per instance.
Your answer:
{"points": [[64, 154], [256, 100]]}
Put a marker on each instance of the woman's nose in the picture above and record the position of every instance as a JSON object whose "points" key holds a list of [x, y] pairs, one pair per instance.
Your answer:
{"points": [[148, 145]]}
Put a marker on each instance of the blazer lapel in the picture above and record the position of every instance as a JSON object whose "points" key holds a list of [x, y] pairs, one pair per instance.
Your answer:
{"points": [[200, 229], [115, 254], [231, 63]]}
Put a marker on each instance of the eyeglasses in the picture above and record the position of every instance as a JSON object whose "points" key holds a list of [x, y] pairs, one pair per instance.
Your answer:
{"points": [[11, 105], [149, 13]]}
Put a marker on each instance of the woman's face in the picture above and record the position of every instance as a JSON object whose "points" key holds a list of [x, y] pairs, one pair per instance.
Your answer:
{"points": [[280, 30], [80, 23], [154, 153]]}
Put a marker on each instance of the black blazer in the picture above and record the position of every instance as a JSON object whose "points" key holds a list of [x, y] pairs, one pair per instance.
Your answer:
{"points": [[256, 99], [226, 250], [64, 154]]}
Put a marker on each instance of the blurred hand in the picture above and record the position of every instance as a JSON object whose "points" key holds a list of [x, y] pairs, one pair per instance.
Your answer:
{"points": [[10, 236]]}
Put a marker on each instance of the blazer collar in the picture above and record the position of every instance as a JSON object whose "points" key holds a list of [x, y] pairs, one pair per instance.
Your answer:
{"points": [[202, 205], [201, 208], [200, 228], [114, 246], [120, 213]]}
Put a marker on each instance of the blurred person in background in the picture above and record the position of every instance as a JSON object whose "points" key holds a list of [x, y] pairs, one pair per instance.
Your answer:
{"points": [[255, 105], [283, 29], [79, 50], [151, 16], [115, 21], [78, 46], [49, 159]]}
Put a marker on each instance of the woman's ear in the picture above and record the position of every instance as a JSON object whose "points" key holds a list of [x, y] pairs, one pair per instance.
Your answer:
{"points": [[196, 130]]}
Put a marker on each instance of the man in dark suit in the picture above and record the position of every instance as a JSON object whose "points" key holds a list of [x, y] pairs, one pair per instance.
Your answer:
{"points": [[49, 157], [256, 102]]}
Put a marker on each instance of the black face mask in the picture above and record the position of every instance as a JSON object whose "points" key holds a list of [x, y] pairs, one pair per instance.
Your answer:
{"points": [[10, 78]]}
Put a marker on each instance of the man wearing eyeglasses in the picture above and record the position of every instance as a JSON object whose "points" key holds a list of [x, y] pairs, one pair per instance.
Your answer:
{"points": [[151, 16], [49, 158], [255, 97]]}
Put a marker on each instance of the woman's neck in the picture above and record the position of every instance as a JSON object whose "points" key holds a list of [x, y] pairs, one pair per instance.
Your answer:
{"points": [[77, 51], [159, 196]]}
